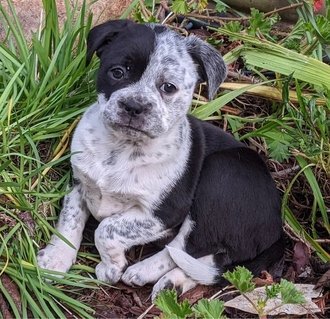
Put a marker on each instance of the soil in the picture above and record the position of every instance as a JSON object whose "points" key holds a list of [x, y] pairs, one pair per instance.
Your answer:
{"points": [[30, 14], [122, 301]]}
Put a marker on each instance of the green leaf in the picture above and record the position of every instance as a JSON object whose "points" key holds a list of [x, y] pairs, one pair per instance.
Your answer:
{"points": [[209, 108], [241, 278], [209, 309], [167, 302], [274, 57], [272, 291], [233, 26], [260, 23], [316, 191], [290, 294], [278, 150], [220, 6], [301, 233], [180, 6]]}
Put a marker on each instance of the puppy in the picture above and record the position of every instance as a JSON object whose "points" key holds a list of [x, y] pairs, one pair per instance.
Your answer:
{"points": [[147, 171]]}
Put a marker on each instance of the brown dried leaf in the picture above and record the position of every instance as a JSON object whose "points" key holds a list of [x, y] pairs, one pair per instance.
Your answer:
{"points": [[324, 281], [301, 256], [195, 294], [264, 280], [322, 301]]}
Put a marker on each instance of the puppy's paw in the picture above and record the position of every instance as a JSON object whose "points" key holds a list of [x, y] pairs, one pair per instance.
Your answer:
{"points": [[108, 273], [56, 258], [174, 279], [139, 275]]}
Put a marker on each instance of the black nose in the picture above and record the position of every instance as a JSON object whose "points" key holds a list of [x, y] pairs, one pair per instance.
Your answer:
{"points": [[132, 108]]}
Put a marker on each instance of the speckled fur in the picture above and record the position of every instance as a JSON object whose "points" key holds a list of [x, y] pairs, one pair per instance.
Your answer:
{"points": [[123, 176], [147, 171]]}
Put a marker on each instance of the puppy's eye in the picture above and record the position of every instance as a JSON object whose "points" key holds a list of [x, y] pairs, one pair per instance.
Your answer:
{"points": [[117, 73], [168, 88]]}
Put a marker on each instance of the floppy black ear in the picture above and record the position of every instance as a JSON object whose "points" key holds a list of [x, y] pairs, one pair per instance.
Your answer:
{"points": [[212, 68], [103, 34]]}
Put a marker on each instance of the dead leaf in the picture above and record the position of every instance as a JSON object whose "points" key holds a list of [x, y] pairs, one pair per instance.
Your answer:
{"points": [[309, 292], [321, 302], [324, 281], [195, 294], [301, 255], [264, 280]]}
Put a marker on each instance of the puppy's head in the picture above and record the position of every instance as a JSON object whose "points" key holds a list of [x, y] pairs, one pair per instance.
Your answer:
{"points": [[148, 74]]}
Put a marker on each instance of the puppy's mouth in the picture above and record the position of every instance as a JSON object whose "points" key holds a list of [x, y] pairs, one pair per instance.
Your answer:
{"points": [[118, 126], [130, 130]]}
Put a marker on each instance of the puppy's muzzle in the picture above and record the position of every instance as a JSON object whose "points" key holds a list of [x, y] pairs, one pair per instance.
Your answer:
{"points": [[133, 108], [133, 116]]}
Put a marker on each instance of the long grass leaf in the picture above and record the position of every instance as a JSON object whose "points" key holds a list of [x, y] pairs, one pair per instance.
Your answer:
{"points": [[301, 233], [316, 191], [202, 112], [274, 57], [10, 300]]}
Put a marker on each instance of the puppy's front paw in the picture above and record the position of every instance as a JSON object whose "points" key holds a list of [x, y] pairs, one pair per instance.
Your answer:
{"points": [[174, 279], [56, 258], [137, 275], [108, 273]]}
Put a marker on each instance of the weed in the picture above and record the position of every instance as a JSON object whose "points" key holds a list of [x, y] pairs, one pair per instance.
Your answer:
{"points": [[241, 279], [167, 302]]}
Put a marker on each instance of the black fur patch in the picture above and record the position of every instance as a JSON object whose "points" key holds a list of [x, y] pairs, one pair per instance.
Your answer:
{"points": [[231, 197], [127, 45]]}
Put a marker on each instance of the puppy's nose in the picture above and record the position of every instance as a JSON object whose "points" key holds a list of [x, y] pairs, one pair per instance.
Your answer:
{"points": [[132, 108]]}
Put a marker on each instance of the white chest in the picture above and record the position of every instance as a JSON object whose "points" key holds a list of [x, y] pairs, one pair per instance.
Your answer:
{"points": [[117, 176]]}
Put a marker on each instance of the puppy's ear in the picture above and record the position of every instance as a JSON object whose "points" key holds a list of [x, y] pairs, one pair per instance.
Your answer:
{"points": [[212, 68], [103, 34]]}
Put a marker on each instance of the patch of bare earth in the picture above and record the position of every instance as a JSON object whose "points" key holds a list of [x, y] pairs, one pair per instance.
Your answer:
{"points": [[30, 12]]}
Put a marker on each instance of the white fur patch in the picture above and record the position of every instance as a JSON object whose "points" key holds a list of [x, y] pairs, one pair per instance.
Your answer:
{"points": [[201, 270], [114, 181]]}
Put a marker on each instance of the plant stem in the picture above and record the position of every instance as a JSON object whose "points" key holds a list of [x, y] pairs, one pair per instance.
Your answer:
{"points": [[252, 304]]}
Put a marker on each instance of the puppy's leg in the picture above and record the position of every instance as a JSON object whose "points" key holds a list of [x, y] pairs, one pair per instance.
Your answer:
{"points": [[58, 255], [118, 233], [151, 269], [178, 280]]}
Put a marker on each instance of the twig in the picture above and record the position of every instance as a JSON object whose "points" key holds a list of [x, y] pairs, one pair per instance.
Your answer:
{"points": [[217, 294], [220, 294], [222, 19], [323, 241], [242, 77], [143, 314], [291, 6], [286, 171]]}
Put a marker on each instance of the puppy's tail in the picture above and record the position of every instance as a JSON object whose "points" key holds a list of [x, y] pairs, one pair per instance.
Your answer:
{"points": [[197, 270], [270, 259]]}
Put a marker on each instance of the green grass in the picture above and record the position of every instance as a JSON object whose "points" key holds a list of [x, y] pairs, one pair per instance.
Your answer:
{"points": [[45, 87]]}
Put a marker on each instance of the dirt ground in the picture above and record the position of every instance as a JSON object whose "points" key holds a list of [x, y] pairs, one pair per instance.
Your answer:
{"points": [[30, 12]]}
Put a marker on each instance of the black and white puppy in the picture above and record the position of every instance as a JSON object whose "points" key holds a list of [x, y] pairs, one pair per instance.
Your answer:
{"points": [[147, 171]]}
